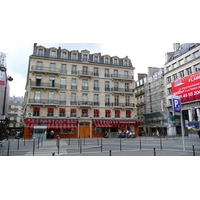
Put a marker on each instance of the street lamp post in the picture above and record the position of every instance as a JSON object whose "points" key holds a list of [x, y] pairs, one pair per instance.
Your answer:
{"points": [[7, 78]]}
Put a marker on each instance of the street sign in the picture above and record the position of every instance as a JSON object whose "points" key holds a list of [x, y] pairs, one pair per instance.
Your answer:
{"points": [[176, 103]]}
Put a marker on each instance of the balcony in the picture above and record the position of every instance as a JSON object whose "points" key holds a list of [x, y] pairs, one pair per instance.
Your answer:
{"points": [[73, 87], [96, 88], [85, 88], [121, 77], [86, 103], [139, 93], [85, 73], [48, 70], [73, 103], [123, 105], [122, 90], [44, 85], [43, 101]]}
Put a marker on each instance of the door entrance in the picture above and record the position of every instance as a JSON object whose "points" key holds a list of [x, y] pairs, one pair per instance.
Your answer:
{"points": [[84, 129]]}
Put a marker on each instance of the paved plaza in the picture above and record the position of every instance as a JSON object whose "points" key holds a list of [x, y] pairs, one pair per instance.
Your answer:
{"points": [[141, 146]]}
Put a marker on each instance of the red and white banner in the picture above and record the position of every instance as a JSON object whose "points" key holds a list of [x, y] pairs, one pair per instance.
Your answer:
{"points": [[188, 88]]}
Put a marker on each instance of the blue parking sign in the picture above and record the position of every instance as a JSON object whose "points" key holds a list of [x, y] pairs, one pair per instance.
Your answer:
{"points": [[176, 103]]}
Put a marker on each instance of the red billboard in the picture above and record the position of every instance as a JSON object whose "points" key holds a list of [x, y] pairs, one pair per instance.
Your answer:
{"points": [[188, 88]]}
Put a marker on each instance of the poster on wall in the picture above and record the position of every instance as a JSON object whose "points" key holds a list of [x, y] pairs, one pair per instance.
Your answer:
{"points": [[187, 88]]}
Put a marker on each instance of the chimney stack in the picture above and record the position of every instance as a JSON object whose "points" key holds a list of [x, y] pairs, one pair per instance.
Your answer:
{"points": [[176, 46]]}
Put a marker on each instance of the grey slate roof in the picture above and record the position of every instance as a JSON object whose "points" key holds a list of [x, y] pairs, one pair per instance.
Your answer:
{"points": [[181, 50], [47, 54]]}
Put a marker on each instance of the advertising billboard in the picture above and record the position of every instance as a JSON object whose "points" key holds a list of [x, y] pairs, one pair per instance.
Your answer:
{"points": [[187, 88]]}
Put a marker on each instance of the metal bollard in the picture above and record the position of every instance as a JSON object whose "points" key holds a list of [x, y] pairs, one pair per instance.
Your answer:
{"points": [[84, 140], [193, 150], [58, 145], [154, 151], [8, 151], [68, 140], [18, 144], [38, 142], [120, 144], [33, 146], [53, 154], [110, 153], [97, 141], [140, 144], [24, 141], [160, 143], [42, 142], [80, 145], [101, 145]]}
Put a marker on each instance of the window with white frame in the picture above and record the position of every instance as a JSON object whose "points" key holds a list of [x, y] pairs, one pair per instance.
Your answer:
{"points": [[51, 97], [107, 73], [196, 54], [189, 71], [63, 68], [197, 67], [62, 98], [169, 91], [74, 69], [181, 73], [106, 61], [63, 83], [174, 76], [96, 71], [74, 56], [188, 58], [39, 65], [73, 99], [53, 54], [40, 52], [64, 55], [96, 59], [115, 61], [169, 79], [74, 84], [181, 62]]}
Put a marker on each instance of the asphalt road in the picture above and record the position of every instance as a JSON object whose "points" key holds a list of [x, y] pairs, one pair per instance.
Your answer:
{"points": [[144, 146]]}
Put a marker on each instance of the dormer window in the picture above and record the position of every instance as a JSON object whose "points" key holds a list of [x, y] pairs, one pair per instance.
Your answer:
{"points": [[74, 56], [115, 62], [40, 52], [64, 55], [85, 57], [106, 61], [53, 54], [95, 58], [125, 62]]}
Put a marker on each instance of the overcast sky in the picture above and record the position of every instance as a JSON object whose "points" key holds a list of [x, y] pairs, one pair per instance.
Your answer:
{"points": [[143, 31]]}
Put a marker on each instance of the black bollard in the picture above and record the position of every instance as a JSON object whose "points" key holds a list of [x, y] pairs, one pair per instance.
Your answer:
{"points": [[24, 141], [154, 151], [101, 145], [193, 150], [110, 153], [120, 144], [68, 140], [140, 144], [97, 141], [160, 143], [18, 144], [80, 145], [8, 151], [53, 154], [38, 142], [84, 140], [33, 146], [58, 145], [42, 142]]}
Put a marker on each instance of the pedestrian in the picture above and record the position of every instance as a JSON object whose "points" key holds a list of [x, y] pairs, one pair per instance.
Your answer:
{"points": [[157, 134], [52, 134]]}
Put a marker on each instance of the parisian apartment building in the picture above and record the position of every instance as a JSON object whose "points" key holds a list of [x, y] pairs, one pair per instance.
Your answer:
{"points": [[182, 78], [15, 114], [78, 94], [150, 100]]}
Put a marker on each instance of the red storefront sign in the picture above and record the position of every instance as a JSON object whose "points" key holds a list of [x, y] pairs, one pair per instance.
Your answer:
{"points": [[188, 88]]}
